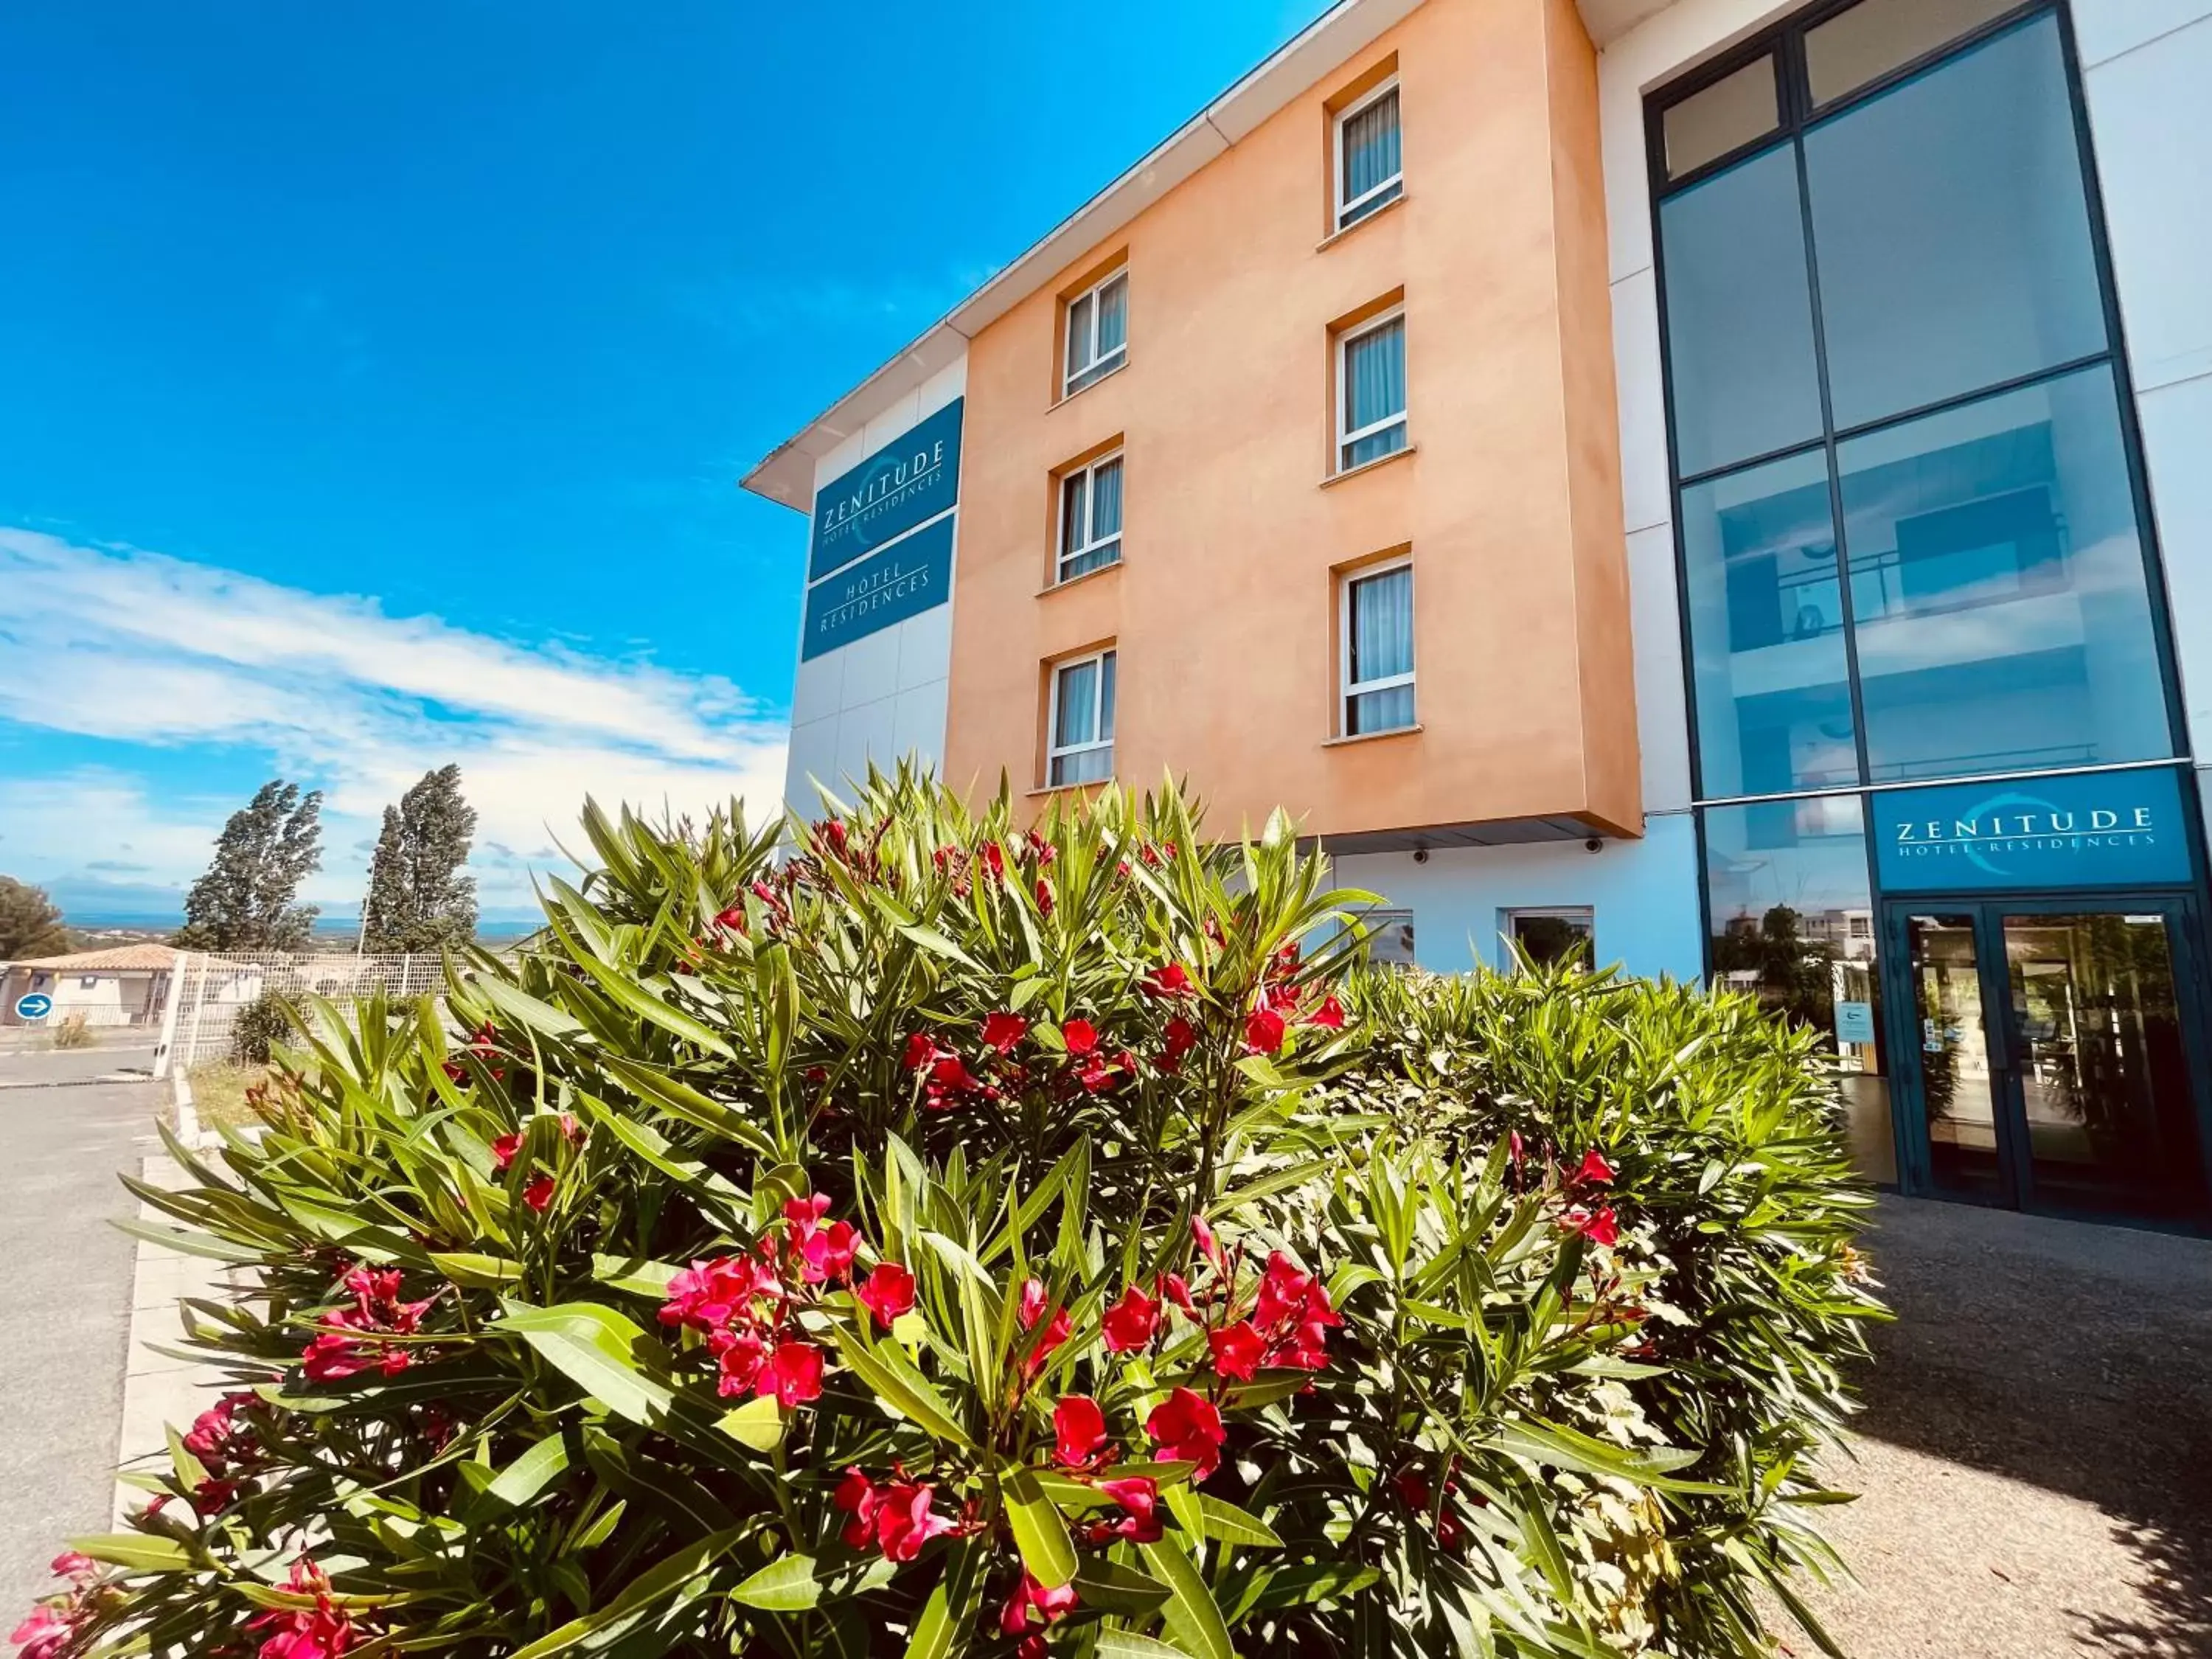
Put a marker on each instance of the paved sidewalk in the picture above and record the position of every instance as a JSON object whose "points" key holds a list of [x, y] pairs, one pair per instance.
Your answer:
{"points": [[2037, 1452], [64, 1304]]}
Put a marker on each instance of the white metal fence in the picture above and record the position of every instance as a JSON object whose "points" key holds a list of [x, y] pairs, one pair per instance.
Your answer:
{"points": [[209, 991]]}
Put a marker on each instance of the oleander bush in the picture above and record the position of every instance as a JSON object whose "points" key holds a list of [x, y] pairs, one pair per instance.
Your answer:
{"points": [[259, 1026], [948, 1239]]}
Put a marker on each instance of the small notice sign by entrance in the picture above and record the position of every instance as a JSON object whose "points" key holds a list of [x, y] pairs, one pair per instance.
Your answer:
{"points": [[2085, 830], [34, 1007], [1855, 1022]]}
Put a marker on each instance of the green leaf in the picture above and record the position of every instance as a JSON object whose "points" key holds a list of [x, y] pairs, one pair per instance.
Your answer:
{"points": [[595, 1348], [931, 940], [531, 1474], [1128, 1644], [1039, 1533], [1194, 1622], [1302, 1586], [950, 1614], [902, 1388], [483, 1272], [790, 1583], [135, 1552], [1223, 1520], [1102, 1582], [654, 1585], [758, 1422]]}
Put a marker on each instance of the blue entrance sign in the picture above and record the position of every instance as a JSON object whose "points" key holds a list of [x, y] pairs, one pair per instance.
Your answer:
{"points": [[913, 477], [35, 1007], [902, 582], [2085, 829]]}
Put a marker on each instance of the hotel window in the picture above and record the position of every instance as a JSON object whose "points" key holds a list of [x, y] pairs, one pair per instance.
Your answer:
{"points": [[1370, 376], [1909, 513], [1081, 722], [1390, 938], [1378, 651], [1369, 165], [1546, 938], [1097, 332], [1090, 518]]}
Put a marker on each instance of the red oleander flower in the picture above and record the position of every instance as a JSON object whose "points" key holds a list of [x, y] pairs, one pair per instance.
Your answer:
{"points": [[1001, 1031], [503, 1151], [1595, 1170], [1188, 1429], [1044, 896], [741, 1363], [45, 1634], [1080, 1036], [1599, 1227], [1329, 1016], [906, 1519], [1237, 1350], [1174, 1288], [70, 1564], [1172, 980], [887, 1293], [1049, 1607], [793, 1374], [709, 1294], [538, 1193], [1263, 1031], [1179, 1039], [323, 1632], [1141, 1497], [857, 1496], [921, 1052], [1032, 1309], [1130, 1322], [1208, 1246], [949, 1071], [732, 920], [826, 1257], [1080, 1431], [994, 858]]}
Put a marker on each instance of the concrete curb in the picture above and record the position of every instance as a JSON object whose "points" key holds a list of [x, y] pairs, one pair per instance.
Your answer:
{"points": [[157, 1390]]}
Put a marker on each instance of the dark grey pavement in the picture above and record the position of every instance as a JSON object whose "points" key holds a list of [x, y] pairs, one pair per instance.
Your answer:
{"points": [[2037, 1450], [64, 1313]]}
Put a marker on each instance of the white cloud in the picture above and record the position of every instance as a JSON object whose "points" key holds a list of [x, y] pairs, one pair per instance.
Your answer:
{"points": [[335, 693]]}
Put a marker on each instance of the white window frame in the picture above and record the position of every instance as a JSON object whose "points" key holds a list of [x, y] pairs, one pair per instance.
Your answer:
{"points": [[1054, 752], [1065, 556], [1094, 369], [1348, 436], [1375, 923], [1350, 688], [1511, 918], [1354, 211]]}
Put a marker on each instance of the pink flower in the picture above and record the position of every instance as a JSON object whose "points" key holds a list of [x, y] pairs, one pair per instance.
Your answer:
{"points": [[887, 1293], [1188, 1429], [1080, 1036], [741, 1361], [71, 1564], [1080, 1431], [1172, 980], [1601, 1227], [1141, 1497], [45, 1634], [1130, 1322], [538, 1194], [1050, 1607], [1595, 1170], [323, 1632], [1263, 1031], [709, 1294], [907, 1519], [793, 1374], [1002, 1031], [857, 1496], [1236, 1349], [503, 1151], [827, 1254], [1031, 1310], [1208, 1246], [1329, 1016]]}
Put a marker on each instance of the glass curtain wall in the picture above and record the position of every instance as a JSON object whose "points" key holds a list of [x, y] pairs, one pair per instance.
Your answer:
{"points": [[1906, 504]]}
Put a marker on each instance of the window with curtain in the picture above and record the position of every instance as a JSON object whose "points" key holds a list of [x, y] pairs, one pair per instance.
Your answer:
{"points": [[1372, 371], [1378, 652], [1370, 168], [1097, 332], [1091, 519], [1082, 747]]}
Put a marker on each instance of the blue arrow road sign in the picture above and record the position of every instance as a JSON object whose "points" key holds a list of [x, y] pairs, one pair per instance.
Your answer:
{"points": [[37, 1005]]}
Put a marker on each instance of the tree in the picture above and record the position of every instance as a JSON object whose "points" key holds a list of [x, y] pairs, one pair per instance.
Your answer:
{"points": [[244, 901], [418, 900], [30, 925]]}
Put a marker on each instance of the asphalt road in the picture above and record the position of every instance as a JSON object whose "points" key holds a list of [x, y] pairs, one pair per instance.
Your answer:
{"points": [[64, 1314]]}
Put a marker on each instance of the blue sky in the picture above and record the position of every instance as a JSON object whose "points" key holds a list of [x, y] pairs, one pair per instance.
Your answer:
{"points": [[378, 377]]}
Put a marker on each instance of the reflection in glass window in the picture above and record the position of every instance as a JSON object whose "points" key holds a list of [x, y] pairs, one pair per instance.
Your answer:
{"points": [[1082, 748], [1953, 232], [1378, 662], [1740, 316], [1549, 937], [1876, 36], [1792, 924], [1997, 577], [1371, 365], [1766, 631], [1370, 172]]}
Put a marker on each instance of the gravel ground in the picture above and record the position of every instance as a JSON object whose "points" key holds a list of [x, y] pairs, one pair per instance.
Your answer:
{"points": [[2036, 1456], [64, 1309]]}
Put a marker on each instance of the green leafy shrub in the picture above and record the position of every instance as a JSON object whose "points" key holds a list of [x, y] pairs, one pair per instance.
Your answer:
{"points": [[260, 1025], [952, 1239]]}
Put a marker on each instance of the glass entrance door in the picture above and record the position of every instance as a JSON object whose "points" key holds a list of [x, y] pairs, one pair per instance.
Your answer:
{"points": [[2052, 1056]]}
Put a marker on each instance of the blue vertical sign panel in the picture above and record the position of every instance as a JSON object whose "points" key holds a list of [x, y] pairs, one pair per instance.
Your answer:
{"points": [[907, 481], [2085, 829], [900, 582]]}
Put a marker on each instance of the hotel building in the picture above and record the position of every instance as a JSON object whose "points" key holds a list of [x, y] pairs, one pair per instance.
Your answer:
{"points": [[1707, 485]]}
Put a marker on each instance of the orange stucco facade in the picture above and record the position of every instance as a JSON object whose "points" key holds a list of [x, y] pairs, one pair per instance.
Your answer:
{"points": [[1224, 608]]}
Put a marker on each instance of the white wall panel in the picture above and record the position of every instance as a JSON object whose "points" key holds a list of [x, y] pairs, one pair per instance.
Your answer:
{"points": [[813, 755], [1646, 497], [870, 667], [1662, 716], [2105, 29], [918, 722], [925, 649], [865, 734], [818, 691]]}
